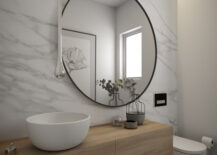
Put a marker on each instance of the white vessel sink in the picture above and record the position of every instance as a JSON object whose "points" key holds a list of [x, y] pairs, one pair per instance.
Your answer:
{"points": [[57, 131]]}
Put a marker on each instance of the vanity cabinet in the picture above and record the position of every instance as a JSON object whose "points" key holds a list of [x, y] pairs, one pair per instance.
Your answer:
{"points": [[149, 139], [154, 142]]}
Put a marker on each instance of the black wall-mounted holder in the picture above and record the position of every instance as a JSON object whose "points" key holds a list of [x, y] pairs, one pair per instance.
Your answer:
{"points": [[160, 99]]}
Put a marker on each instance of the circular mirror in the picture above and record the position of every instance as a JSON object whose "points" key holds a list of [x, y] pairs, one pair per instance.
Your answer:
{"points": [[109, 49]]}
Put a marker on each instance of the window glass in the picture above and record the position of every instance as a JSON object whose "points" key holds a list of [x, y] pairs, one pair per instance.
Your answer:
{"points": [[134, 55]]}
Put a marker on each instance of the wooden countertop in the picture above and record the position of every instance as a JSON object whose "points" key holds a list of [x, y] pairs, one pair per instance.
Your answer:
{"points": [[104, 135]]}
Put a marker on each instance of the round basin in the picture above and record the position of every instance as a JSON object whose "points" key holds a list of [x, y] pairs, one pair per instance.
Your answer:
{"points": [[58, 131]]}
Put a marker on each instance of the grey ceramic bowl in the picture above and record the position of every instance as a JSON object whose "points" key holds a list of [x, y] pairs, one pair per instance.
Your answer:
{"points": [[130, 124]]}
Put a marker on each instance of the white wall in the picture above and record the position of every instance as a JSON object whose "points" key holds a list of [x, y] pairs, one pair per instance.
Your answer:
{"points": [[28, 56], [197, 65], [126, 21], [98, 19]]}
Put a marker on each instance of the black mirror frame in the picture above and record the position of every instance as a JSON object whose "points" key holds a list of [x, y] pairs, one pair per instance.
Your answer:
{"points": [[155, 63]]}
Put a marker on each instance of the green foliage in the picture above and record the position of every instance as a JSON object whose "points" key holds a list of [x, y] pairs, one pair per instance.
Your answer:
{"points": [[126, 84], [109, 86]]}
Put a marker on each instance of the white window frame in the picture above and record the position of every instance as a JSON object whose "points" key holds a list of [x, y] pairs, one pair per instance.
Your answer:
{"points": [[124, 53]]}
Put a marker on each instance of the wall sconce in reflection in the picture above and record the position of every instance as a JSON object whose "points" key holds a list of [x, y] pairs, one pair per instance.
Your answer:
{"points": [[60, 70]]}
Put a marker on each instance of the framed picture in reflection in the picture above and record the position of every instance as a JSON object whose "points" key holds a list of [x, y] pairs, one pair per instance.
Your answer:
{"points": [[79, 57]]}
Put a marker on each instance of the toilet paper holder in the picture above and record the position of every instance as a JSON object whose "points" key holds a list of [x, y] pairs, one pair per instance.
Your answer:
{"points": [[208, 141]]}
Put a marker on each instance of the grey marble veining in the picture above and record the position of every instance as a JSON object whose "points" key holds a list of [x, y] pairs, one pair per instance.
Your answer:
{"points": [[28, 56], [165, 79]]}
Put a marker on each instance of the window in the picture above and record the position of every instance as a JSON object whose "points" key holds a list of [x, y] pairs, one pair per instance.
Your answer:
{"points": [[132, 54]]}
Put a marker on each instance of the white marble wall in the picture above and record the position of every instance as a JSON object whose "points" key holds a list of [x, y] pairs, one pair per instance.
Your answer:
{"points": [[28, 54]]}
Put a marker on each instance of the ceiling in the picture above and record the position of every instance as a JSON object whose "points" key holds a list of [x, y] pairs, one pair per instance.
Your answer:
{"points": [[112, 3]]}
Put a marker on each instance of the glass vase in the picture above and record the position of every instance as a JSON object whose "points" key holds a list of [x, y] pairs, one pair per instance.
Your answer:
{"points": [[115, 101]]}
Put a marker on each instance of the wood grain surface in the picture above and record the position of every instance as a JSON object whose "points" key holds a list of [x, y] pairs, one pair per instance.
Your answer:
{"points": [[149, 139]]}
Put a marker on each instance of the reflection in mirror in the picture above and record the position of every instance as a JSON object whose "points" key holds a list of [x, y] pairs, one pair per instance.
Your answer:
{"points": [[109, 49]]}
